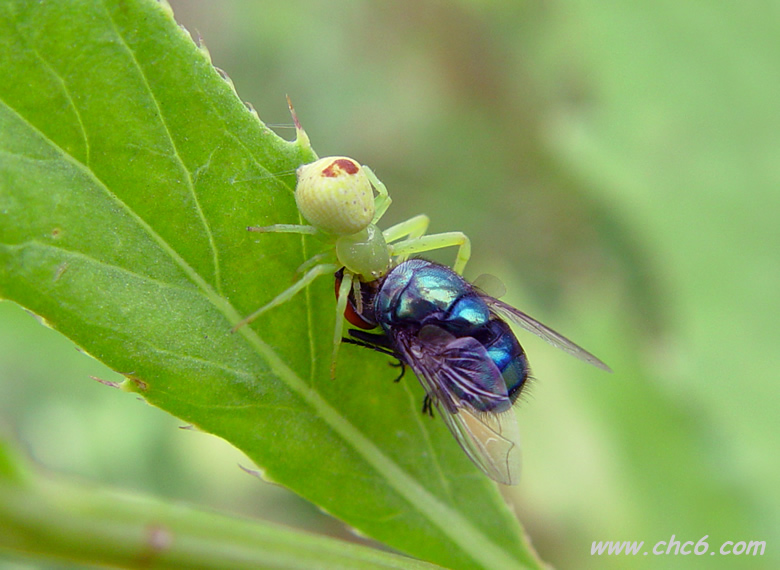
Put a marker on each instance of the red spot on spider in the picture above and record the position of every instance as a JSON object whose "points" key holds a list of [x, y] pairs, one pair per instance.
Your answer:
{"points": [[338, 166]]}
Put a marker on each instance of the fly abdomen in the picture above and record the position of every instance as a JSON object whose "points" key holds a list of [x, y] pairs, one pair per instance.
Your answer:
{"points": [[508, 356]]}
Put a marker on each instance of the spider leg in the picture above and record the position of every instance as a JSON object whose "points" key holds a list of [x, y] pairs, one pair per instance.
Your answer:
{"points": [[312, 261], [383, 200], [283, 229], [412, 228], [437, 241], [288, 293], [341, 306]]}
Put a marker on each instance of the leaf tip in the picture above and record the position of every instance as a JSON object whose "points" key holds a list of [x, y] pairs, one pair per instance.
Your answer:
{"points": [[301, 138]]}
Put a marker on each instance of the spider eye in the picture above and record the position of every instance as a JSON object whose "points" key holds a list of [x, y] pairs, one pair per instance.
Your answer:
{"points": [[335, 195]]}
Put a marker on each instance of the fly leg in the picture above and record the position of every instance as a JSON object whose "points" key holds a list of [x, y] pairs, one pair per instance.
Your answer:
{"points": [[428, 406], [402, 365]]}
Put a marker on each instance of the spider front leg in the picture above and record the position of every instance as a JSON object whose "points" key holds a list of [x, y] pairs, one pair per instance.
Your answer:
{"points": [[437, 241], [284, 229], [382, 200], [290, 292], [294, 229], [312, 261], [412, 228], [341, 307]]}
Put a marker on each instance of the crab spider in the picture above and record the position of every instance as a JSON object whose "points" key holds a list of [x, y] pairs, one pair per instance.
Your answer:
{"points": [[344, 201]]}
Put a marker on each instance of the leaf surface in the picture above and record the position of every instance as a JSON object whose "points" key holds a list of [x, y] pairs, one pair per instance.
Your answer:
{"points": [[129, 170]]}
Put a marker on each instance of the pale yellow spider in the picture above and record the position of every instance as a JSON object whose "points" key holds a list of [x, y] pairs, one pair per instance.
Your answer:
{"points": [[344, 201]]}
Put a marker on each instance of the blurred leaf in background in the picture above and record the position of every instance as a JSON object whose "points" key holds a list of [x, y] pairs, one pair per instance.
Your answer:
{"points": [[616, 165]]}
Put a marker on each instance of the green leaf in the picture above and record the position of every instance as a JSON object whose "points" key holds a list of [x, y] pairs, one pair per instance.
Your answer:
{"points": [[129, 170]]}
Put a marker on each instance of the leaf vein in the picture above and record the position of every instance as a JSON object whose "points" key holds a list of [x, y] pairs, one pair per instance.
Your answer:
{"points": [[75, 253], [419, 419], [71, 102], [177, 155]]}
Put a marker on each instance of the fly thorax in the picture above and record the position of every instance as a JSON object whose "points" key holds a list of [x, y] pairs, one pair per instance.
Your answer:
{"points": [[364, 253]]}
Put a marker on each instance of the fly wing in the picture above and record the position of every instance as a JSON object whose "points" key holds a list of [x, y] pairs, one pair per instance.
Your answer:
{"points": [[491, 440], [532, 325], [471, 397]]}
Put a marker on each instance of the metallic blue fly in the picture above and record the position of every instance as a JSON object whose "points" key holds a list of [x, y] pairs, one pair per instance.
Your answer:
{"points": [[467, 358]]}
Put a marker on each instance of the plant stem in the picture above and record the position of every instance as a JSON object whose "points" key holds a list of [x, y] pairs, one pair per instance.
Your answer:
{"points": [[53, 517]]}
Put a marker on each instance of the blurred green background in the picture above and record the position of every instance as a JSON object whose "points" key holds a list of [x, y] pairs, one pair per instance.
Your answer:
{"points": [[616, 164]]}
